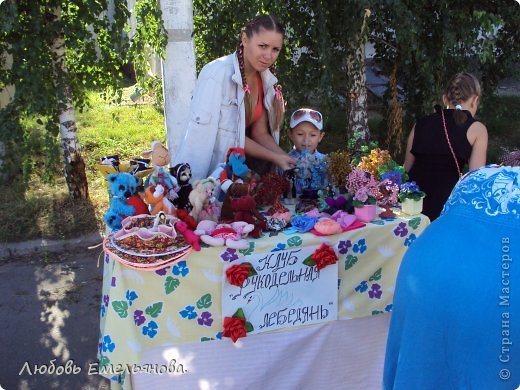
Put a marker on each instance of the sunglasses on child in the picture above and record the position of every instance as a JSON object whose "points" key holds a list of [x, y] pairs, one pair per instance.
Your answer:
{"points": [[316, 115], [307, 115]]}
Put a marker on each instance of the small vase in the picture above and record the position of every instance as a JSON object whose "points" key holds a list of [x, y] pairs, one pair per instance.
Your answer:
{"points": [[411, 206], [366, 213]]}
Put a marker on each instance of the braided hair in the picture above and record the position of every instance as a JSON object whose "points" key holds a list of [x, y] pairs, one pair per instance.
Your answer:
{"points": [[460, 88], [269, 23]]}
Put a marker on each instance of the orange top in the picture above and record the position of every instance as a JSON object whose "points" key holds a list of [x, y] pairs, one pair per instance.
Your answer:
{"points": [[260, 103]]}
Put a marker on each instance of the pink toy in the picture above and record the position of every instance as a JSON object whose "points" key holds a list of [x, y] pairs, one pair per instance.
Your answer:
{"points": [[231, 235], [188, 234]]}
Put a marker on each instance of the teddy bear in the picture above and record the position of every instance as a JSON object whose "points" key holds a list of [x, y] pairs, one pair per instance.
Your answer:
{"points": [[160, 159], [122, 186], [201, 195], [182, 173], [244, 209], [155, 196], [231, 235]]}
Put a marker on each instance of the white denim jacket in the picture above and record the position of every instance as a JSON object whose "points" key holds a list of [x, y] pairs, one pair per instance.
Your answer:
{"points": [[216, 120]]}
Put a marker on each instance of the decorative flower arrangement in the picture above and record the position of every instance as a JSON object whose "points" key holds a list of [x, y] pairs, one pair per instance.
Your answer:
{"points": [[236, 326], [376, 159], [339, 167], [410, 190], [363, 186], [238, 273], [359, 146], [323, 256], [311, 171], [388, 193], [393, 171]]}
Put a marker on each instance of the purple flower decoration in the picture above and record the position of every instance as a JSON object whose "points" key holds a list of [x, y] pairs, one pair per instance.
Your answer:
{"points": [[229, 255], [375, 291], [410, 239], [401, 230], [100, 347], [106, 299], [162, 271], [394, 176], [343, 246], [107, 258], [139, 319], [205, 319], [113, 282]]}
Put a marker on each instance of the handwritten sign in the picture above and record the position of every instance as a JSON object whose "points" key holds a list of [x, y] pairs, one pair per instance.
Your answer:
{"points": [[285, 292]]}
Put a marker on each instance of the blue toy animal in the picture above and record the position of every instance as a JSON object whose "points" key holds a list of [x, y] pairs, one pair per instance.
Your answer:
{"points": [[121, 186]]}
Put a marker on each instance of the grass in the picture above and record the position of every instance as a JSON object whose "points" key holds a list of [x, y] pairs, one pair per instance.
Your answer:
{"points": [[43, 210], [40, 209]]}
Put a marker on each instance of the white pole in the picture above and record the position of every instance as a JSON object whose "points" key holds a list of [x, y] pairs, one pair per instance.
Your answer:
{"points": [[178, 69]]}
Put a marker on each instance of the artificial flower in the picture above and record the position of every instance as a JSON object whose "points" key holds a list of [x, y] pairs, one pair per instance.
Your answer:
{"points": [[410, 190], [343, 218], [303, 223], [234, 328], [327, 227], [364, 187], [324, 256], [238, 273]]}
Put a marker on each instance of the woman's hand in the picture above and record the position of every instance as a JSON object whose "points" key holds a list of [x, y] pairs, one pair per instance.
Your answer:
{"points": [[284, 161]]}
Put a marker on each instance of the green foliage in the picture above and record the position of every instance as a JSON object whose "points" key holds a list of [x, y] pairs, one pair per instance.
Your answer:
{"points": [[97, 46], [431, 41]]}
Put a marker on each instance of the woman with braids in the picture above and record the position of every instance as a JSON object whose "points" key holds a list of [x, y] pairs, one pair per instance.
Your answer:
{"points": [[237, 102], [441, 144]]}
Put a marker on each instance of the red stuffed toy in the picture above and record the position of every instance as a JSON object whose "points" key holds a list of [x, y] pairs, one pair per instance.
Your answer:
{"points": [[189, 235], [244, 209]]}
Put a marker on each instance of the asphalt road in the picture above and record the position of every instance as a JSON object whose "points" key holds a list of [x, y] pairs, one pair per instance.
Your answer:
{"points": [[49, 305]]}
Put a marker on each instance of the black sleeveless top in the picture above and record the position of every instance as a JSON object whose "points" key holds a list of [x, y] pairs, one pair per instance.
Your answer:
{"points": [[434, 168]]}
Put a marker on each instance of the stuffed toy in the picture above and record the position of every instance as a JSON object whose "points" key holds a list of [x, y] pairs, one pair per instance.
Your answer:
{"points": [[121, 187], [192, 238], [201, 195], [231, 235], [155, 196], [185, 216], [182, 173], [235, 190], [160, 175], [233, 171], [245, 210]]}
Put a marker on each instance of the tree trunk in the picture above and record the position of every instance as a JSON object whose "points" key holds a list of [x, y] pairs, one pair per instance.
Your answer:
{"points": [[357, 117], [74, 171], [178, 69]]}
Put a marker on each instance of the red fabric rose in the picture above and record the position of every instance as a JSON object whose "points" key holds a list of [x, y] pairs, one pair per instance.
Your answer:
{"points": [[234, 328], [237, 274], [324, 256]]}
